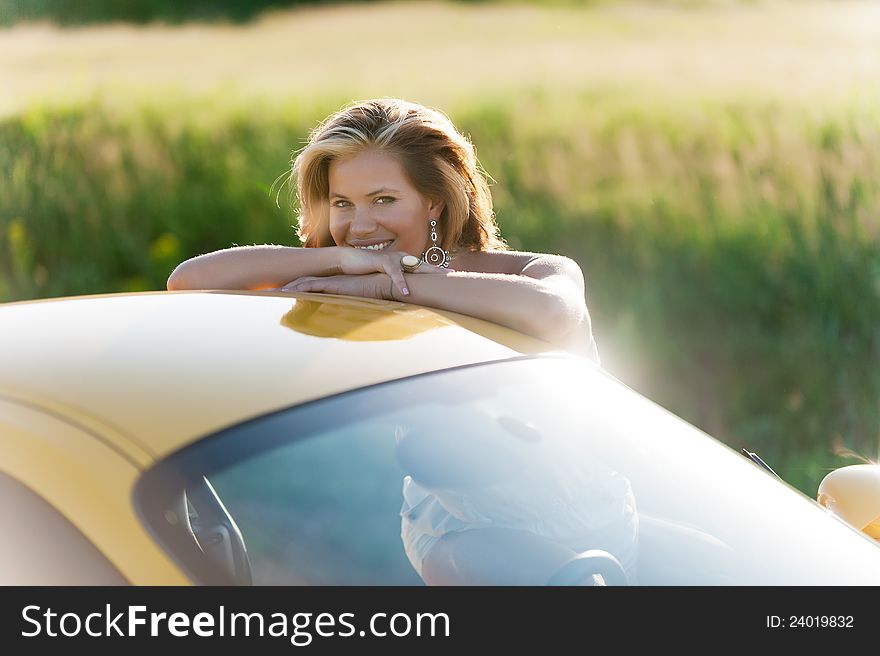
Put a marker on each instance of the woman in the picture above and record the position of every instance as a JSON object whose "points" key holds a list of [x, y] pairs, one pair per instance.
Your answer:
{"points": [[383, 179], [393, 206]]}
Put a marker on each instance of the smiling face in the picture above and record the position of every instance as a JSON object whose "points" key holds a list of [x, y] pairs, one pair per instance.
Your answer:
{"points": [[373, 203]]}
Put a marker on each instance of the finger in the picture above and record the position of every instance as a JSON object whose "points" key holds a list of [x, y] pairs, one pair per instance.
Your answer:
{"points": [[396, 276], [302, 287], [303, 279], [296, 285]]}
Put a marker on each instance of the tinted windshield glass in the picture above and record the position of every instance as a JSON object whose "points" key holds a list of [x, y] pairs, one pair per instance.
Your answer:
{"points": [[531, 461]]}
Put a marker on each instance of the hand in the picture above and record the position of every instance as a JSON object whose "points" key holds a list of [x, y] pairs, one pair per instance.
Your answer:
{"points": [[355, 261], [358, 261], [373, 285]]}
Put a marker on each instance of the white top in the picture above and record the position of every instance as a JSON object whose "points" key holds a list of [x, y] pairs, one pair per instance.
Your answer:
{"points": [[582, 505]]}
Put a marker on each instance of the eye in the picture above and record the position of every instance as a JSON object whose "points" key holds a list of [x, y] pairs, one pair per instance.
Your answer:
{"points": [[340, 203], [385, 200]]}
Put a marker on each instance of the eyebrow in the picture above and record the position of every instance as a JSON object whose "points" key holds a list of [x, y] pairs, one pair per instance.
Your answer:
{"points": [[382, 190]]}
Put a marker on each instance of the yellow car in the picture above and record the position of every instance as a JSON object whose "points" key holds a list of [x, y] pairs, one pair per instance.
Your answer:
{"points": [[268, 438]]}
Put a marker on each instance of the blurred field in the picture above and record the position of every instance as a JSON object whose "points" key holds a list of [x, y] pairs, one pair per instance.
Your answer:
{"points": [[809, 52], [716, 172]]}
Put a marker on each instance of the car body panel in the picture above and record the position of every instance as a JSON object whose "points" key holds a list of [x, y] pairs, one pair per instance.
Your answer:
{"points": [[97, 392], [194, 353], [89, 482]]}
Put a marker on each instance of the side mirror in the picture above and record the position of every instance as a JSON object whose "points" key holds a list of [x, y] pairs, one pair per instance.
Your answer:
{"points": [[853, 494]]}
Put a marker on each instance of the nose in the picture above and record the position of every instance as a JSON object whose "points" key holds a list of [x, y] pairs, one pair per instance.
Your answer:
{"points": [[363, 224]]}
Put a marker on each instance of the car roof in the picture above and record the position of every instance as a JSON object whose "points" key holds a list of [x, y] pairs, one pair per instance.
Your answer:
{"points": [[154, 371]]}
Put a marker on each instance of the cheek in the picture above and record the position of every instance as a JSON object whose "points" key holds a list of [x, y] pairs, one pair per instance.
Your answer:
{"points": [[337, 227], [409, 218]]}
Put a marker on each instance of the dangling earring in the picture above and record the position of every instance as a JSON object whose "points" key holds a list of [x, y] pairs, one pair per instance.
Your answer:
{"points": [[435, 254]]}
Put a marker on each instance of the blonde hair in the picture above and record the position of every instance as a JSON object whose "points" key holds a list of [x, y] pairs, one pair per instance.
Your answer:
{"points": [[438, 160]]}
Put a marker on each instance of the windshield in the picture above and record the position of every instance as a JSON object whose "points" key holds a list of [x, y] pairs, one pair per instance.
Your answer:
{"points": [[369, 487]]}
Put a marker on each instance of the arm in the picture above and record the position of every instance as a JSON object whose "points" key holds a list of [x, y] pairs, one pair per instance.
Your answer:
{"points": [[545, 300], [269, 267], [252, 267]]}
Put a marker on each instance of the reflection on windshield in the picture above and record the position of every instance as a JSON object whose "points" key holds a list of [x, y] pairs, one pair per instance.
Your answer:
{"points": [[503, 472], [527, 471]]}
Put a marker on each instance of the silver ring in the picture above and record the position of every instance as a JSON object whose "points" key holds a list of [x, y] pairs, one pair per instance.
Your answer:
{"points": [[409, 263]]}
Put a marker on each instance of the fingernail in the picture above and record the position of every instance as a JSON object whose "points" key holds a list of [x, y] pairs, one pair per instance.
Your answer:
{"points": [[405, 291]]}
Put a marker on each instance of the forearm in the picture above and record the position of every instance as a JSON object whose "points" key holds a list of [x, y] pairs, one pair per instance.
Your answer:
{"points": [[252, 267], [519, 302]]}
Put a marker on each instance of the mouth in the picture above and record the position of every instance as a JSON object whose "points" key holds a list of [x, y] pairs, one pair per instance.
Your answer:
{"points": [[378, 246]]}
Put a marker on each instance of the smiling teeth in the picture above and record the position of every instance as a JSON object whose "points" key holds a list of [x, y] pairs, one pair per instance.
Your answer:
{"points": [[376, 247]]}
